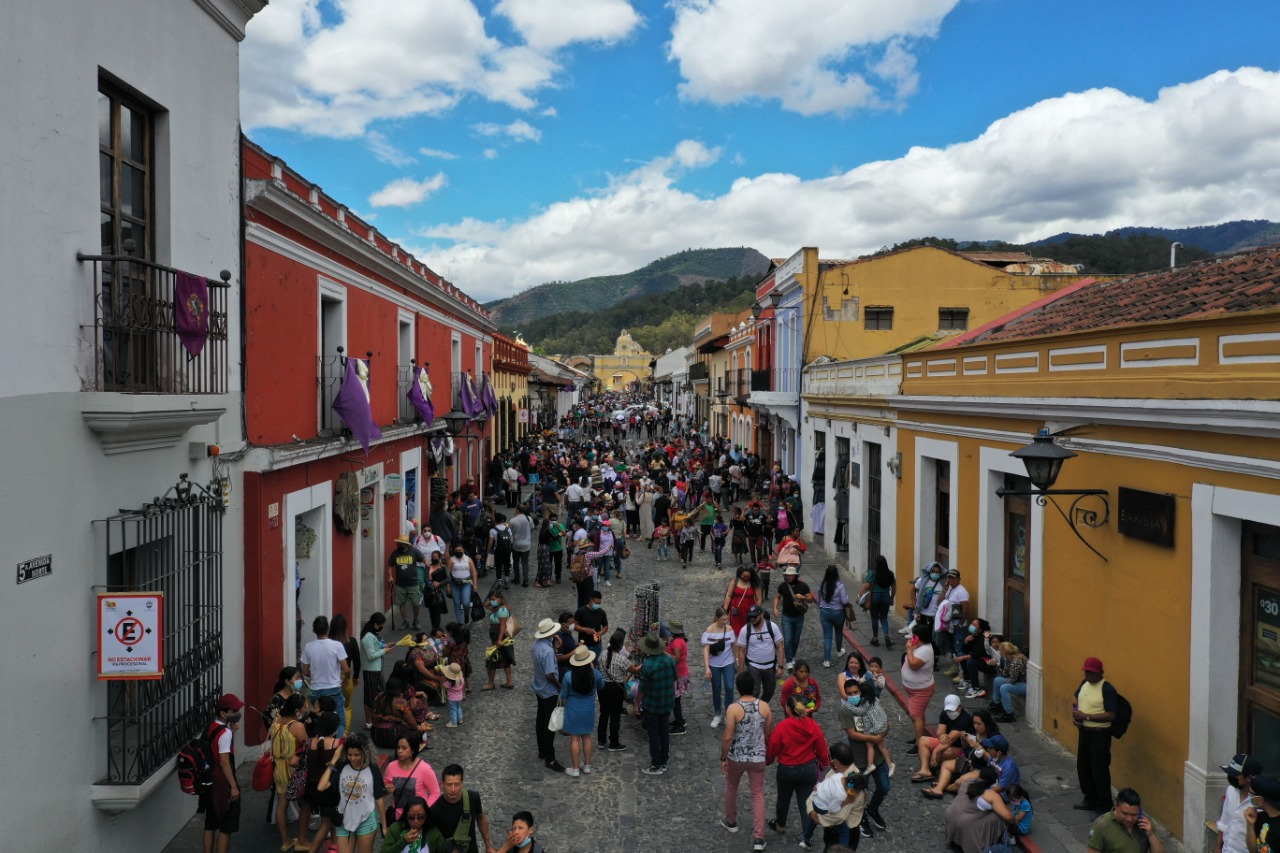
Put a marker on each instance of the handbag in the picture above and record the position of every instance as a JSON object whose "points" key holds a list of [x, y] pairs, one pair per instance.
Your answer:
{"points": [[477, 610], [514, 625], [801, 607], [626, 552], [850, 612], [264, 771], [297, 782], [556, 723]]}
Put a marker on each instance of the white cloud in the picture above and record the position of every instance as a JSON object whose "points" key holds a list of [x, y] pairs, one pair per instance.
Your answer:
{"points": [[490, 153], [814, 56], [385, 151], [549, 112], [517, 131], [551, 24], [437, 154], [404, 192], [377, 60], [1202, 152]]}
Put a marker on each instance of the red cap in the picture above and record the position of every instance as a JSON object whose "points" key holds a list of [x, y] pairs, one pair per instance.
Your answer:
{"points": [[230, 702], [1092, 665]]}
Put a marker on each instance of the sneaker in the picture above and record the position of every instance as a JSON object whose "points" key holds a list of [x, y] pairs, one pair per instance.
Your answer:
{"points": [[962, 684], [869, 770], [975, 693], [618, 747], [892, 767], [876, 818], [865, 829], [662, 768], [651, 770], [678, 730], [573, 772], [608, 583], [805, 845], [731, 825], [1005, 718], [757, 844], [716, 721], [555, 765], [826, 664], [914, 749], [773, 824], [450, 725], [586, 768]]}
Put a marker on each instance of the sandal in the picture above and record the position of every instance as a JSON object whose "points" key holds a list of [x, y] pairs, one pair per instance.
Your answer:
{"points": [[487, 687], [930, 794], [921, 777], [507, 686]]}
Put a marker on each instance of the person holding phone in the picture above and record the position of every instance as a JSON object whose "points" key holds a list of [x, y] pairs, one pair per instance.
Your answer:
{"points": [[1126, 827]]}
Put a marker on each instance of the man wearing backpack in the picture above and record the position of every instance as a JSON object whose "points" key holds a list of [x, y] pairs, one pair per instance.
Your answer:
{"points": [[221, 805], [402, 576], [500, 542], [1093, 713], [457, 813]]}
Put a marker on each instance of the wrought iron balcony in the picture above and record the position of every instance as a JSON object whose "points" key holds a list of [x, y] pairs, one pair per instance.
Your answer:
{"points": [[699, 372], [761, 380], [137, 339]]}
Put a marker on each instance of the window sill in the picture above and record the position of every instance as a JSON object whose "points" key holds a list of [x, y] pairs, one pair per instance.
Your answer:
{"points": [[125, 423], [124, 798]]}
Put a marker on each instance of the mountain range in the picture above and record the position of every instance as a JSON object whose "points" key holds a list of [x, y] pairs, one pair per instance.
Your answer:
{"points": [[1220, 239], [692, 266]]}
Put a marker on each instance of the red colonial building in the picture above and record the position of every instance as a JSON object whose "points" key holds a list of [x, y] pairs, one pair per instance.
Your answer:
{"points": [[322, 287]]}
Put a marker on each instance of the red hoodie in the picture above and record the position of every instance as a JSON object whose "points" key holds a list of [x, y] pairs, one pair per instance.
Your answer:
{"points": [[798, 740]]}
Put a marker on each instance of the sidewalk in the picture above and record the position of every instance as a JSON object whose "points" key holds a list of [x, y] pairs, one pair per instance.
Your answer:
{"points": [[1048, 770]]}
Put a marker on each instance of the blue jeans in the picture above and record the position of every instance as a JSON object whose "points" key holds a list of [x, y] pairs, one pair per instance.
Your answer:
{"points": [[832, 624], [462, 602], [880, 778], [617, 560], [336, 693], [1004, 690], [721, 682], [791, 628], [880, 604], [603, 565], [455, 711]]}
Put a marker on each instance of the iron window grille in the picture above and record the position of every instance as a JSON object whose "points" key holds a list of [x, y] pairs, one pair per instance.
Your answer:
{"points": [[878, 319], [172, 545]]}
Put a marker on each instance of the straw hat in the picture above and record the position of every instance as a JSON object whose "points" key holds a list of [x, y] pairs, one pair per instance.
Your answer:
{"points": [[403, 539], [453, 672], [582, 656], [546, 628]]}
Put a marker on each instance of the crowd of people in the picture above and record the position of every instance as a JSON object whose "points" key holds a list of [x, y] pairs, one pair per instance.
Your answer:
{"points": [[571, 504]]}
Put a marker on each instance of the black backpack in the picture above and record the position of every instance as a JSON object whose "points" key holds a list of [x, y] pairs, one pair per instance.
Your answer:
{"points": [[502, 541]]}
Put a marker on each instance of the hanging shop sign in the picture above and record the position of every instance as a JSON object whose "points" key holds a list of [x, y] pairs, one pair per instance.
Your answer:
{"points": [[130, 632]]}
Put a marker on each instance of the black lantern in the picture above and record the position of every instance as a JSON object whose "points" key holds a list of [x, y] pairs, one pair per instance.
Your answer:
{"points": [[1043, 458]]}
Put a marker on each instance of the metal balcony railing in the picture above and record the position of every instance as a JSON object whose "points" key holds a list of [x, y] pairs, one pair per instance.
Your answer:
{"points": [[333, 368], [698, 371], [137, 348], [761, 380]]}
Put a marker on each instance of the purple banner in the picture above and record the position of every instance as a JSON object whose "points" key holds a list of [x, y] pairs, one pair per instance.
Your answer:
{"points": [[420, 395], [191, 311], [487, 396], [470, 403], [352, 404]]}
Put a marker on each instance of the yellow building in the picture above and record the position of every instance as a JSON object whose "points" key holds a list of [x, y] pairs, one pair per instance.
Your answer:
{"points": [[511, 387], [1165, 387], [871, 306], [629, 364]]}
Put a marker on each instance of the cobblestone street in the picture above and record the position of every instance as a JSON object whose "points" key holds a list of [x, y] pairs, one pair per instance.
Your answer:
{"points": [[618, 809]]}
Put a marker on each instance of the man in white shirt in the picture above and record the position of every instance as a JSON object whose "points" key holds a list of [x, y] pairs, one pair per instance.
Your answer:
{"points": [[521, 543], [1231, 823], [428, 543], [511, 480], [957, 615], [324, 663], [758, 650]]}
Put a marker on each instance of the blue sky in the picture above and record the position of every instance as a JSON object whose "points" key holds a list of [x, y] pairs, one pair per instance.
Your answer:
{"points": [[511, 142]]}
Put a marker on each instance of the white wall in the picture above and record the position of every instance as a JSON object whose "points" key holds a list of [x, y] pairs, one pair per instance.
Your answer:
{"points": [[60, 480]]}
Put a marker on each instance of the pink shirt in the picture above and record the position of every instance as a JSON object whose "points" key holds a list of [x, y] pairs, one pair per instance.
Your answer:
{"points": [[419, 781], [455, 691], [679, 649]]}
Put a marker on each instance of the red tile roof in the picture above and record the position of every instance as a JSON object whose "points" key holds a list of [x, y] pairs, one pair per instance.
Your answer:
{"points": [[1246, 282]]}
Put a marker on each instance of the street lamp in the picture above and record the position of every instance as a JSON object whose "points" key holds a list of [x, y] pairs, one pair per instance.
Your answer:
{"points": [[756, 310], [775, 296], [1043, 459]]}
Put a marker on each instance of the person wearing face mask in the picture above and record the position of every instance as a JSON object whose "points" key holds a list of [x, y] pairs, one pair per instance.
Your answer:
{"points": [[953, 724], [1232, 827], [929, 591], [289, 683], [462, 583], [592, 623], [221, 804], [1262, 816]]}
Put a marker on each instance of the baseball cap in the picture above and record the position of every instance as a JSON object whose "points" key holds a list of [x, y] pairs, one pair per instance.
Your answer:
{"points": [[756, 610], [953, 573], [996, 742], [230, 702], [1267, 787], [951, 703], [1243, 765], [1092, 665]]}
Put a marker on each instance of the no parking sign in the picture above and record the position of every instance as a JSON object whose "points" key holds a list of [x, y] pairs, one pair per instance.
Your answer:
{"points": [[130, 628]]}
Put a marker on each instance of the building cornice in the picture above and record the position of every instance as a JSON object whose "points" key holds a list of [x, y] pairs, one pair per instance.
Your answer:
{"points": [[232, 15], [277, 202], [1234, 417], [263, 460]]}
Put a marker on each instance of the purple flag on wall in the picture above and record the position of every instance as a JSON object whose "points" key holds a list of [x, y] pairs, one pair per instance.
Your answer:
{"points": [[191, 311], [470, 404], [420, 395], [352, 403], [487, 397]]}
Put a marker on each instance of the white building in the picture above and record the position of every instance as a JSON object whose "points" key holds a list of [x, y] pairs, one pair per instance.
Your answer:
{"points": [[122, 130], [670, 374]]}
